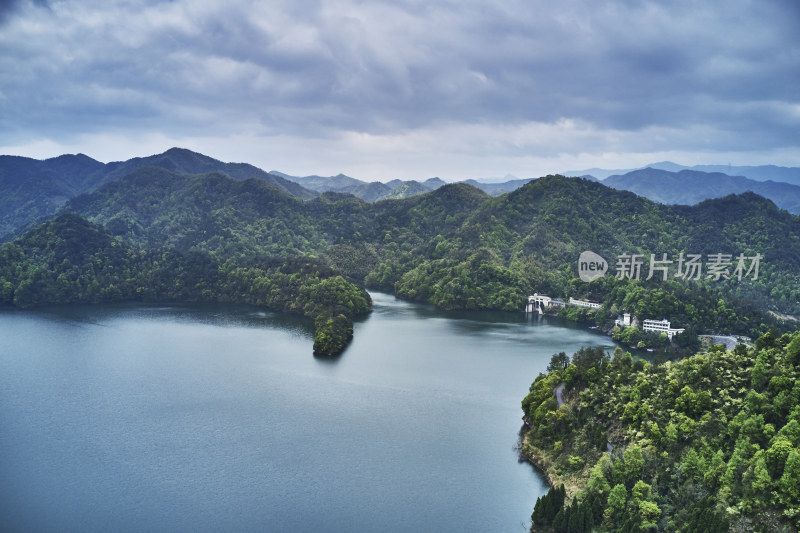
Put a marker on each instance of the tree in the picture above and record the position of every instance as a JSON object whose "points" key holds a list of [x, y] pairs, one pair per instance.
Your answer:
{"points": [[634, 461], [598, 484], [777, 454], [761, 480], [640, 491], [790, 480], [615, 505], [558, 361], [649, 513]]}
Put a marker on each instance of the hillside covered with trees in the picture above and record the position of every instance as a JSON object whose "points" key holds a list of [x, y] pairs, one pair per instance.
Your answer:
{"points": [[455, 247], [71, 260], [709, 443]]}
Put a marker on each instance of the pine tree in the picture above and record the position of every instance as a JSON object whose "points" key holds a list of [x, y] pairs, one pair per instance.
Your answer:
{"points": [[575, 521], [790, 480], [588, 515], [536, 516], [560, 521]]}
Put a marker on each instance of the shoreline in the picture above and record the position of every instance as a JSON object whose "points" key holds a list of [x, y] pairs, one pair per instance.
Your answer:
{"points": [[537, 458]]}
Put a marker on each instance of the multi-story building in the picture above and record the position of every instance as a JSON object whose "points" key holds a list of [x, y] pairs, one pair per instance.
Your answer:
{"points": [[661, 326]]}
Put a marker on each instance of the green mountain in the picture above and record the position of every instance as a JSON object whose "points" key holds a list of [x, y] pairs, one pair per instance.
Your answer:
{"points": [[71, 260], [33, 189], [153, 206], [534, 232], [459, 248], [183, 161]]}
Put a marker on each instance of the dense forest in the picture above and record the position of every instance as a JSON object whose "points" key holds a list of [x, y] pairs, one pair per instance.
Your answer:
{"points": [[70, 260], [708, 443], [456, 247]]}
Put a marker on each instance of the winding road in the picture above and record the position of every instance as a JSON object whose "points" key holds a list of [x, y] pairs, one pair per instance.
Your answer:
{"points": [[559, 392]]}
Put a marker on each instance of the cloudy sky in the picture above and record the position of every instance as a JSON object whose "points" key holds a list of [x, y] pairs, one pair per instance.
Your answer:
{"points": [[407, 88]]}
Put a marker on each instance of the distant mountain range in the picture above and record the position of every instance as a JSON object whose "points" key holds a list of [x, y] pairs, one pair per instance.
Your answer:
{"points": [[180, 225], [689, 187], [33, 189], [396, 189], [369, 191], [758, 173]]}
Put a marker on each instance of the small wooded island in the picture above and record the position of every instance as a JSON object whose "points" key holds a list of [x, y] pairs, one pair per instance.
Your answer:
{"points": [[71, 260], [708, 443]]}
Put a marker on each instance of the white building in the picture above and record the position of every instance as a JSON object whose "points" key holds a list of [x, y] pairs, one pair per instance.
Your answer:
{"points": [[585, 303], [661, 326], [625, 320], [539, 302]]}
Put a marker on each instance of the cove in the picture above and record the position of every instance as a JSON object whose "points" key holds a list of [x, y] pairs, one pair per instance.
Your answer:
{"points": [[132, 417]]}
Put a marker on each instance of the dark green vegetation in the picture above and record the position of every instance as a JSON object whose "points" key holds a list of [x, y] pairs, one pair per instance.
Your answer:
{"points": [[455, 247], [70, 260], [710, 443], [33, 189]]}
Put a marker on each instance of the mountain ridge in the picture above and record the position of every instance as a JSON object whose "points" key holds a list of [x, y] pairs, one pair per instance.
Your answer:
{"points": [[35, 188], [776, 173], [689, 187]]}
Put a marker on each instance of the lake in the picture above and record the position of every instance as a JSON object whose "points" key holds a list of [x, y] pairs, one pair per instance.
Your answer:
{"points": [[136, 417]]}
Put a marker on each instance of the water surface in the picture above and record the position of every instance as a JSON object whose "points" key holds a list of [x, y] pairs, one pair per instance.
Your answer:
{"points": [[218, 418]]}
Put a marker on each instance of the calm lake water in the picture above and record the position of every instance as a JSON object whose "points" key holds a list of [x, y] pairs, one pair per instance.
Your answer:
{"points": [[215, 418]]}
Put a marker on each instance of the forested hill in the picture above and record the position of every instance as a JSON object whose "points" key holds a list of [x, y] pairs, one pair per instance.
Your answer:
{"points": [[459, 248], [183, 161], [710, 443], [154, 206], [33, 189], [71, 260], [571, 215]]}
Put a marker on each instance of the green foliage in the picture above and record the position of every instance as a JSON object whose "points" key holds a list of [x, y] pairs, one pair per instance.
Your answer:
{"points": [[703, 444], [461, 249], [70, 260], [455, 247], [548, 506], [332, 334], [558, 361]]}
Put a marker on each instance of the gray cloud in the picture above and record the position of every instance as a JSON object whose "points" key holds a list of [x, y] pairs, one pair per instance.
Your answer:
{"points": [[9, 7], [321, 69]]}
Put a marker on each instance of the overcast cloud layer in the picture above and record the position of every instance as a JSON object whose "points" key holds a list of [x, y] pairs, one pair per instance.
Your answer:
{"points": [[405, 89]]}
